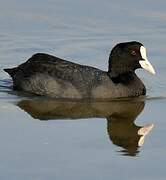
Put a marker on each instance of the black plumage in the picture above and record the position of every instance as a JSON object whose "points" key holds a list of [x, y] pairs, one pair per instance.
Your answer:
{"points": [[48, 75]]}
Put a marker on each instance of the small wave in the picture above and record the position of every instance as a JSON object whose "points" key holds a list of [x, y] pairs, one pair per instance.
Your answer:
{"points": [[5, 84], [155, 97]]}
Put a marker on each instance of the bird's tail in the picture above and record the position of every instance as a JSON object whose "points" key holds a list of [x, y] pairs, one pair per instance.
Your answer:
{"points": [[11, 71]]}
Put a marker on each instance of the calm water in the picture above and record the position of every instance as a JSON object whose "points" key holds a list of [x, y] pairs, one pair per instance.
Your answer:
{"points": [[50, 139]]}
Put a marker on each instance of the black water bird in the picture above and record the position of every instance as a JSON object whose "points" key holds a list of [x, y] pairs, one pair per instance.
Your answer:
{"points": [[47, 75]]}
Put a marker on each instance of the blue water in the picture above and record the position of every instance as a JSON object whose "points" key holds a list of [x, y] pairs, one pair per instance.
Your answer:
{"points": [[47, 139]]}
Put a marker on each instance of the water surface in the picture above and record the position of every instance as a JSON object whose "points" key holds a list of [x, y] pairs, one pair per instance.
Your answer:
{"points": [[52, 139]]}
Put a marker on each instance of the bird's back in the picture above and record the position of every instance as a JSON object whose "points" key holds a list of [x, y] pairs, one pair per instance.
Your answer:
{"points": [[44, 74]]}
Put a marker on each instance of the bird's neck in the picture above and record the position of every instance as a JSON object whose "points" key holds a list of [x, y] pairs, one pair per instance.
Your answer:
{"points": [[124, 78]]}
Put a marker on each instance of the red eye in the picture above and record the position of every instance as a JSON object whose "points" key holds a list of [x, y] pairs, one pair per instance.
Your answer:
{"points": [[133, 53]]}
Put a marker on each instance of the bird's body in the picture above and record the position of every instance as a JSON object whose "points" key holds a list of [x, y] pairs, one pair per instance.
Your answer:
{"points": [[48, 75]]}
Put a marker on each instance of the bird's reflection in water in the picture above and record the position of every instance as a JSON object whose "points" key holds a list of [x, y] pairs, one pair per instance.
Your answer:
{"points": [[120, 117]]}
